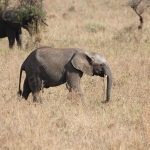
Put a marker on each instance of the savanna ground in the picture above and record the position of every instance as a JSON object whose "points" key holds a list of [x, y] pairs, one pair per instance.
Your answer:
{"points": [[107, 27]]}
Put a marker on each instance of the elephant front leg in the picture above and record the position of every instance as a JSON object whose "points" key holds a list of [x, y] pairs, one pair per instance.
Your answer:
{"points": [[11, 42], [74, 89], [73, 83], [11, 37]]}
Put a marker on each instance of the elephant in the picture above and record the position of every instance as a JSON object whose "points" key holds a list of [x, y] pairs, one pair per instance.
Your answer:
{"points": [[49, 67], [12, 32], [12, 29]]}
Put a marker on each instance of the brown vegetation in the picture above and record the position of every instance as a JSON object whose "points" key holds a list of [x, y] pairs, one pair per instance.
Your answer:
{"points": [[82, 124]]}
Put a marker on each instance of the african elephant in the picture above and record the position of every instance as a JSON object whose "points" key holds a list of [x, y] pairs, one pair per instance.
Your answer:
{"points": [[12, 32], [48, 67]]}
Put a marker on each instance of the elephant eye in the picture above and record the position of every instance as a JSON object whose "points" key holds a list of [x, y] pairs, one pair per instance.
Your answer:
{"points": [[101, 65]]}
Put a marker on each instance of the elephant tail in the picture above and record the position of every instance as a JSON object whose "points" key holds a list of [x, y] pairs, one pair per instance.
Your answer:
{"points": [[20, 91]]}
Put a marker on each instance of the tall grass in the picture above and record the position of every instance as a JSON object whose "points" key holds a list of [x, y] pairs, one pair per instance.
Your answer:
{"points": [[60, 123]]}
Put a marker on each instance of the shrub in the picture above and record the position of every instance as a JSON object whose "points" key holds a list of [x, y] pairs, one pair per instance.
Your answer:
{"points": [[94, 27]]}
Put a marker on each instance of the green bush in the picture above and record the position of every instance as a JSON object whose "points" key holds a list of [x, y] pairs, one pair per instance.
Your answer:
{"points": [[94, 27], [26, 13]]}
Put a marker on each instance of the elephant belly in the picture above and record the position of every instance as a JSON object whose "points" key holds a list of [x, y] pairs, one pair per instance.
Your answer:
{"points": [[3, 34], [52, 81]]}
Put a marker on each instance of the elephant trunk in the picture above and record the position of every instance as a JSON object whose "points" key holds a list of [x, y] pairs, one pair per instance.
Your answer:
{"points": [[107, 71]]}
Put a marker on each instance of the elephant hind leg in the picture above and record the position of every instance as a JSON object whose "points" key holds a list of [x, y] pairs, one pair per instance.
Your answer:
{"points": [[36, 97], [26, 89], [35, 84]]}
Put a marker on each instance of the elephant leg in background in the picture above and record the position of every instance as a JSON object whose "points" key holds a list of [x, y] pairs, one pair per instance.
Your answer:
{"points": [[11, 37], [73, 81], [11, 41], [19, 39], [26, 89], [35, 84]]}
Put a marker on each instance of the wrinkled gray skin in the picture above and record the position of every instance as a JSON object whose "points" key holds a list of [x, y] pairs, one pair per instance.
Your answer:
{"points": [[48, 67]]}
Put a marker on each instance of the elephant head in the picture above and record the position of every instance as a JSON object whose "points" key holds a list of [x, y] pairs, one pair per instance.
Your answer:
{"points": [[93, 64]]}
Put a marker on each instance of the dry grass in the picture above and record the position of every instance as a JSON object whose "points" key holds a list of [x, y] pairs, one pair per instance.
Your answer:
{"points": [[84, 124]]}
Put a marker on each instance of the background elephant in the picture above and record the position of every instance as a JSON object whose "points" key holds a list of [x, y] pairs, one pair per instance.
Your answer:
{"points": [[11, 31], [48, 67], [11, 22]]}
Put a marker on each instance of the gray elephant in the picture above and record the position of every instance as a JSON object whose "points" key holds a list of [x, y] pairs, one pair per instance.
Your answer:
{"points": [[48, 67]]}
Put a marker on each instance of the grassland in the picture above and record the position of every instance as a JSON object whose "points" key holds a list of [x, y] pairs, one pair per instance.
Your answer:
{"points": [[107, 27]]}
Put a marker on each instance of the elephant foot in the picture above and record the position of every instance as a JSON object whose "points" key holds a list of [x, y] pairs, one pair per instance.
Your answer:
{"points": [[73, 96], [37, 99]]}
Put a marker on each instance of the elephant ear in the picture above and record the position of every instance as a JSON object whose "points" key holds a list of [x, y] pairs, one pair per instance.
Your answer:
{"points": [[83, 62]]}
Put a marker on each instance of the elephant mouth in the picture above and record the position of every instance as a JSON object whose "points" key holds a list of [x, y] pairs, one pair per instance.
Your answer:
{"points": [[99, 73], [102, 74]]}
